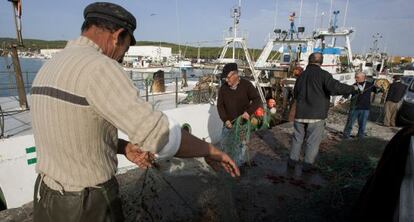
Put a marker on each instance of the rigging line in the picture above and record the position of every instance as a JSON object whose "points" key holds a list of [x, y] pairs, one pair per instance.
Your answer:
{"points": [[300, 12], [141, 194], [158, 174], [276, 14], [346, 12], [330, 12], [316, 14], [178, 27]]}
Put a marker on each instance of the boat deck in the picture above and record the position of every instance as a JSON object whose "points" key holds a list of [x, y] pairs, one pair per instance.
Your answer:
{"points": [[16, 121]]}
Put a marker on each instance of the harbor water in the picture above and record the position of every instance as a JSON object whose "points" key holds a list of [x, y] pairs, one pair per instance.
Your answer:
{"points": [[31, 66]]}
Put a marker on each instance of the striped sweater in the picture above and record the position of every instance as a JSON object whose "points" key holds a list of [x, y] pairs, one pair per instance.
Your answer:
{"points": [[79, 99]]}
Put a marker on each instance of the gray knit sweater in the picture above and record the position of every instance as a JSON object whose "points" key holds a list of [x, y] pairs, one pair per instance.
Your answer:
{"points": [[79, 99]]}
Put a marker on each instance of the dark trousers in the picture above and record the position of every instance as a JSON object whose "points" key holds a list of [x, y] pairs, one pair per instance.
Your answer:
{"points": [[90, 204], [361, 116]]}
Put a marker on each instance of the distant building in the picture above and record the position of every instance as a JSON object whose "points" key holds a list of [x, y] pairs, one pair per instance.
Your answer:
{"points": [[402, 59], [154, 53], [48, 53]]}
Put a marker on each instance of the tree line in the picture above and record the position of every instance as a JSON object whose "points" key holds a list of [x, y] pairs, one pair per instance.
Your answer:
{"points": [[187, 51]]}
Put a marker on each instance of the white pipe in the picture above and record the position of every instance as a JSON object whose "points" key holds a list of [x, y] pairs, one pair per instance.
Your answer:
{"points": [[322, 15], [300, 12], [316, 14], [276, 14], [330, 13], [346, 11]]}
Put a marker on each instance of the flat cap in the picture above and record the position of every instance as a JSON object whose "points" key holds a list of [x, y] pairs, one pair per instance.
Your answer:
{"points": [[227, 69], [113, 13]]}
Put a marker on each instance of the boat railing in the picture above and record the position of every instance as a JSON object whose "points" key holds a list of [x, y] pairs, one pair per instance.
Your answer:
{"points": [[8, 86], [173, 90], [173, 95]]}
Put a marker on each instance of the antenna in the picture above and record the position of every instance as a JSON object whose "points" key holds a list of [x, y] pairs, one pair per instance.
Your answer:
{"points": [[334, 21], [375, 37], [236, 20], [292, 24]]}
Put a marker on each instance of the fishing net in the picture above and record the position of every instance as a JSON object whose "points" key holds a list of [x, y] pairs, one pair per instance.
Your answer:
{"points": [[234, 140]]}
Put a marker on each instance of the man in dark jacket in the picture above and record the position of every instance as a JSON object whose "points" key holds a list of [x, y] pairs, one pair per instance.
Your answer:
{"points": [[394, 96], [360, 105], [312, 94], [236, 97]]}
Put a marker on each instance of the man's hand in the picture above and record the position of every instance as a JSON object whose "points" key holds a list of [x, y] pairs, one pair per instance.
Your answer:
{"points": [[245, 116], [141, 158], [341, 101], [217, 159], [228, 124]]}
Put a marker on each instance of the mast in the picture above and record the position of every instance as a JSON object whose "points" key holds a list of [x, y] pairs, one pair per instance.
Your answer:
{"points": [[236, 19], [231, 42], [16, 7], [375, 49]]}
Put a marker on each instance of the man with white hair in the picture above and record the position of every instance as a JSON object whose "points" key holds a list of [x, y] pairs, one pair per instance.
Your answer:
{"points": [[360, 105]]}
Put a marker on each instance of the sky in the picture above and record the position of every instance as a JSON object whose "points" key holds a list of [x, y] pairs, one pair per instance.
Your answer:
{"points": [[205, 22]]}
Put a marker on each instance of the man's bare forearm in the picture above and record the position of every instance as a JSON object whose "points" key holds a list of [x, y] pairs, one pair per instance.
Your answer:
{"points": [[121, 146], [192, 146]]}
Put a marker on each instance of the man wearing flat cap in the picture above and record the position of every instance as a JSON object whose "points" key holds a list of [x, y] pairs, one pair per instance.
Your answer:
{"points": [[236, 97], [80, 99]]}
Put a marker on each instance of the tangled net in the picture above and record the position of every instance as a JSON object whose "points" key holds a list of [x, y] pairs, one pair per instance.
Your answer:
{"points": [[203, 92], [234, 141]]}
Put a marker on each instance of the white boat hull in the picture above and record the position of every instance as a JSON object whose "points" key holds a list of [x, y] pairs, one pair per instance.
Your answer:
{"points": [[17, 154], [149, 69]]}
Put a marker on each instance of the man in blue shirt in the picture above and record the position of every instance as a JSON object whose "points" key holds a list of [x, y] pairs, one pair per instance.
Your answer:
{"points": [[360, 105]]}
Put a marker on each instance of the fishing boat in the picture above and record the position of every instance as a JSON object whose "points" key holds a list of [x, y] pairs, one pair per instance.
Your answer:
{"points": [[293, 49], [147, 65], [373, 62]]}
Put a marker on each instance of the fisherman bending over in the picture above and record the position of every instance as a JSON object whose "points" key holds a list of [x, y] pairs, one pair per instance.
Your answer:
{"points": [[80, 98]]}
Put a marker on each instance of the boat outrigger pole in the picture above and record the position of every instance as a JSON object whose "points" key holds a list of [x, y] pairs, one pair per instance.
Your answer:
{"points": [[231, 42], [17, 13]]}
